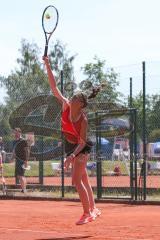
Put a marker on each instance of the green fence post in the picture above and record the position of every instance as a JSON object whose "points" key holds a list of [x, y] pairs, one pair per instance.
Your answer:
{"points": [[62, 139], [98, 154], [41, 161], [144, 129], [135, 152], [132, 176]]}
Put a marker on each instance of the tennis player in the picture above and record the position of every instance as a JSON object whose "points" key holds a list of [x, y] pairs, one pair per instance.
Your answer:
{"points": [[77, 146]]}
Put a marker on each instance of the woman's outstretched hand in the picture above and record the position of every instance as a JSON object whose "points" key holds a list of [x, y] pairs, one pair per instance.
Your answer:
{"points": [[45, 58], [68, 161]]}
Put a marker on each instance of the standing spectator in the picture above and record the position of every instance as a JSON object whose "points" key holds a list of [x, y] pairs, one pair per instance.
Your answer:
{"points": [[2, 151], [1, 174], [1, 144], [21, 155]]}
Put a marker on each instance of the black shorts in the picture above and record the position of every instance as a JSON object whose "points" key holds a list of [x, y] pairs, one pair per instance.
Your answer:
{"points": [[70, 147], [19, 170]]}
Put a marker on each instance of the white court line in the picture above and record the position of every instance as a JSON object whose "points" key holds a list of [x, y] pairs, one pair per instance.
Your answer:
{"points": [[40, 231], [27, 230], [37, 231], [128, 238], [77, 235], [130, 226]]}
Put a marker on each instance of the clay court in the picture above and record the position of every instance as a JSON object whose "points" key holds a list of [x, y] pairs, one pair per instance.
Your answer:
{"points": [[50, 220]]}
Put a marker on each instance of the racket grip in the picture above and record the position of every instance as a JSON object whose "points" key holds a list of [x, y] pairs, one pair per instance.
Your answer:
{"points": [[46, 51]]}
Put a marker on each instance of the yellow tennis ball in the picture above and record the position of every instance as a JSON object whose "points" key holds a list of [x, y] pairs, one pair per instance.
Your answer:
{"points": [[47, 16]]}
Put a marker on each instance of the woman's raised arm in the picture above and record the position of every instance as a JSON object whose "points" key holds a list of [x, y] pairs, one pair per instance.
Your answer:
{"points": [[52, 82]]}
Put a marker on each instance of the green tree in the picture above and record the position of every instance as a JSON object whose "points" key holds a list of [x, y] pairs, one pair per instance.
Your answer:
{"points": [[152, 114], [61, 60], [153, 118], [29, 79], [155, 111], [4, 125], [154, 135], [97, 74]]}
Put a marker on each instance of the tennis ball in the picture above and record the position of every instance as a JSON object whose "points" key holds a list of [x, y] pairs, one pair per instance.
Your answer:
{"points": [[47, 16]]}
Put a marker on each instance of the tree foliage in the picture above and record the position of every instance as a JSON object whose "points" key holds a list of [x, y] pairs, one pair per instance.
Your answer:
{"points": [[152, 115], [97, 74], [154, 135], [29, 79], [62, 61]]}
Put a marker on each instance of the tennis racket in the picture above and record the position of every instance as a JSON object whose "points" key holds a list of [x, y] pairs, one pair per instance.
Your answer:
{"points": [[50, 19]]}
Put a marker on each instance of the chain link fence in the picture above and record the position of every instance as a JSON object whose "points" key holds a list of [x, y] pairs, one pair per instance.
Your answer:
{"points": [[116, 155]]}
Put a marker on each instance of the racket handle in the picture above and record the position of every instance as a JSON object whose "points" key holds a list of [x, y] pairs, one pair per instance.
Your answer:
{"points": [[46, 51]]}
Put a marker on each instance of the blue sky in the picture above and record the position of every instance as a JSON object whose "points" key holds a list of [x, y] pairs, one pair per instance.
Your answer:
{"points": [[122, 32]]}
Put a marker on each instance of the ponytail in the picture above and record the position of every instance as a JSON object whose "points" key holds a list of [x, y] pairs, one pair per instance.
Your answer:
{"points": [[84, 96], [95, 91]]}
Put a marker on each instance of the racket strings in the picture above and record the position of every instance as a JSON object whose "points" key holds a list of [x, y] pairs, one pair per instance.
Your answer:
{"points": [[57, 121], [50, 19]]}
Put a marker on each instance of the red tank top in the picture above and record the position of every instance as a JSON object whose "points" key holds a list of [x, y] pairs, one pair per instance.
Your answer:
{"points": [[70, 129]]}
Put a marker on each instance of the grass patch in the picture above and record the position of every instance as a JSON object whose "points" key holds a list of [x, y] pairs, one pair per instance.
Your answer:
{"points": [[107, 166]]}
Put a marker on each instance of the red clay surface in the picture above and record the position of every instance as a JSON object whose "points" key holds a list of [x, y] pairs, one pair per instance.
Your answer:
{"points": [[107, 181], [50, 220]]}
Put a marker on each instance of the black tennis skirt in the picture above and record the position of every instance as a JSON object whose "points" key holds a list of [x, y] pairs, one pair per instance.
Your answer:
{"points": [[70, 147]]}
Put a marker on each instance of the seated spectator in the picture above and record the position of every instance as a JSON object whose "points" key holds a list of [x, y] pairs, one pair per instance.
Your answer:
{"points": [[117, 171]]}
